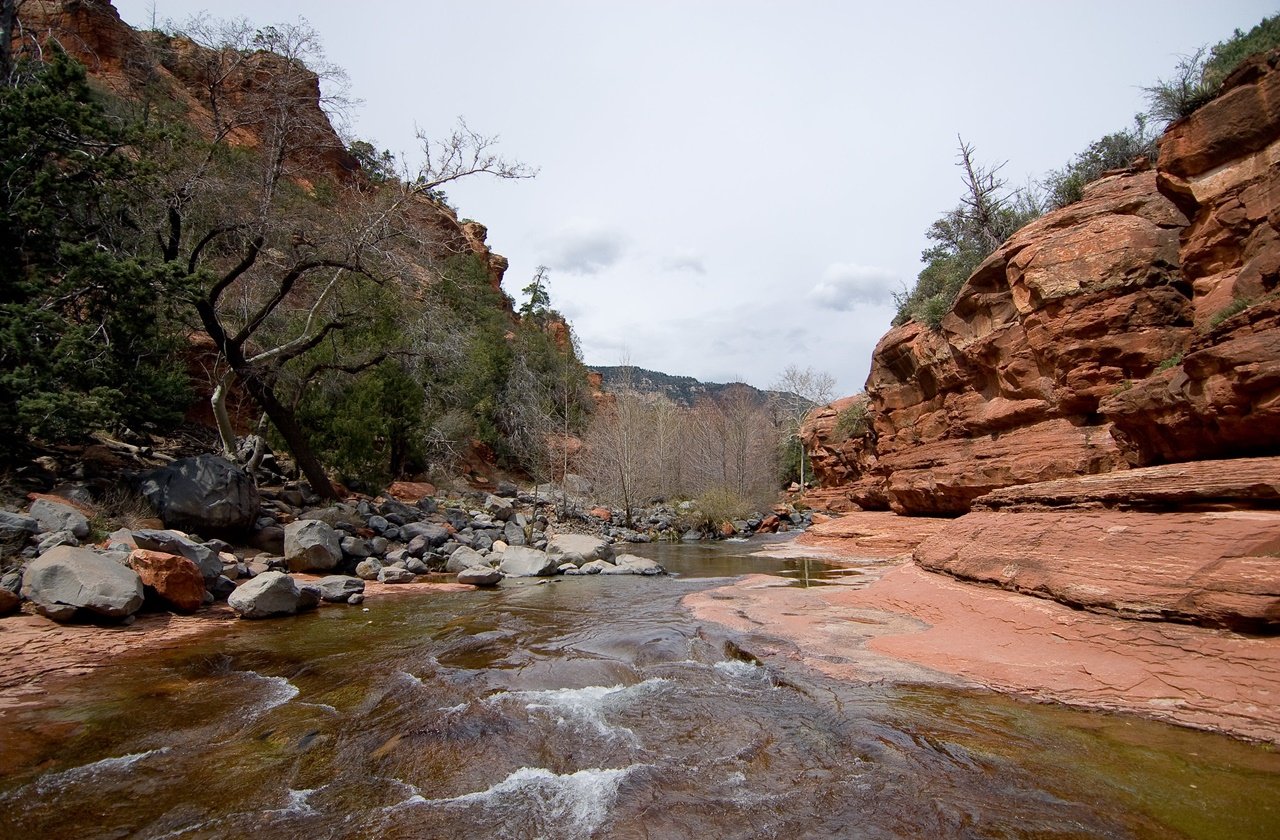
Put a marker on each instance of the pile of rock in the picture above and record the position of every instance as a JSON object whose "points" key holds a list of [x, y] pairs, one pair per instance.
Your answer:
{"points": [[283, 530]]}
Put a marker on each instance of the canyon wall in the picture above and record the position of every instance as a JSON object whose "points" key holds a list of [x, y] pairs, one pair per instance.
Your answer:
{"points": [[1135, 327], [175, 74]]}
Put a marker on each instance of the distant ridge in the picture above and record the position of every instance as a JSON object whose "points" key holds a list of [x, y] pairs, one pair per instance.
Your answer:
{"points": [[682, 390]]}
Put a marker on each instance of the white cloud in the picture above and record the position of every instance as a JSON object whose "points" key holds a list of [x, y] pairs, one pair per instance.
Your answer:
{"points": [[846, 285], [584, 246]]}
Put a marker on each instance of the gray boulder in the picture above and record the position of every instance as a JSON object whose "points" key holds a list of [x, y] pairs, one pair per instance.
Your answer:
{"points": [[57, 538], [499, 508], [336, 589], [308, 597], [68, 579], [15, 529], [202, 494], [355, 547], [477, 576], [222, 588], [466, 558], [171, 542], [578, 549], [519, 561], [311, 545], [53, 516], [269, 594], [596, 567], [435, 535], [394, 574], [368, 569], [638, 565], [513, 534]]}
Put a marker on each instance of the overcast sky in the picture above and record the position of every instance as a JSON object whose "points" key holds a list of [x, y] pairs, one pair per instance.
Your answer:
{"points": [[727, 188]]}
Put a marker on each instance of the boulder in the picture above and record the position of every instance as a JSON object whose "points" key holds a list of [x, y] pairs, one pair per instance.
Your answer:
{"points": [[499, 508], [466, 558], [599, 567], [519, 561], [205, 494], [174, 579], [171, 542], [336, 589], [368, 569], [222, 588], [355, 547], [477, 576], [513, 534], [15, 529], [269, 538], [68, 579], [638, 565], [311, 545], [54, 539], [394, 574], [55, 516], [435, 535], [269, 594], [578, 549], [308, 597]]}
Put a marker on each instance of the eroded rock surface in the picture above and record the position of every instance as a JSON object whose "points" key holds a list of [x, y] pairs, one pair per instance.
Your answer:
{"points": [[1212, 568]]}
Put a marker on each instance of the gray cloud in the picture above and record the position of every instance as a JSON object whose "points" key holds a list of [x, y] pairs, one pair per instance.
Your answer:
{"points": [[584, 246], [845, 285], [685, 262]]}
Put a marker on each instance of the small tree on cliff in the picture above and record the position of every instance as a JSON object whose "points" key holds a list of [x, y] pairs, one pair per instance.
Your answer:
{"points": [[988, 214]]}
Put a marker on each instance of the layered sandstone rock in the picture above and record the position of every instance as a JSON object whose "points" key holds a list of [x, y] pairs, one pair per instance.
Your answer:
{"points": [[841, 449], [1072, 307], [1139, 326], [1190, 542], [1223, 399]]}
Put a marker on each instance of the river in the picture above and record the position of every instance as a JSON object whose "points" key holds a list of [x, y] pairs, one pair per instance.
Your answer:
{"points": [[586, 707]]}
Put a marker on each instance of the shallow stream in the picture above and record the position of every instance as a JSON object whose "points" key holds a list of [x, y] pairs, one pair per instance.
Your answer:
{"points": [[586, 707]]}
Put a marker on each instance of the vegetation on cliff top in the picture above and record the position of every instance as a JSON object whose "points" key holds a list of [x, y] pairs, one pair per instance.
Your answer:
{"points": [[989, 212]]}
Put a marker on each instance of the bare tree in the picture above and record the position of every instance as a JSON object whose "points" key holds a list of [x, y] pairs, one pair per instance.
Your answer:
{"points": [[799, 392], [275, 273], [613, 451]]}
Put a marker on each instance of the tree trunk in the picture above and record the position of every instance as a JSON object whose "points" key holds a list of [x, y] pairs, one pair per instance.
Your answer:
{"points": [[264, 395], [282, 418]]}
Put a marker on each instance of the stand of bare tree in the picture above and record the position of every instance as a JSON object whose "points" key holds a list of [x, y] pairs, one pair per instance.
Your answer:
{"points": [[641, 446]]}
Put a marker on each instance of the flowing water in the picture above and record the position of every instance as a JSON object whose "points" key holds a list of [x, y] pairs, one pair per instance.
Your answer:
{"points": [[585, 707]]}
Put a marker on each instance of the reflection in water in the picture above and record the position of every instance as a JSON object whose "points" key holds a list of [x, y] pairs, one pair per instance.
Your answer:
{"points": [[586, 707]]}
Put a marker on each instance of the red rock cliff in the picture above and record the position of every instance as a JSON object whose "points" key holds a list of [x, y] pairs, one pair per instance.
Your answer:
{"points": [[125, 63], [1094, 339]]}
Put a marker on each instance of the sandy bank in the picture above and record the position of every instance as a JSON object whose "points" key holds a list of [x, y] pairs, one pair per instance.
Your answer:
{"points": [[898, 622]]}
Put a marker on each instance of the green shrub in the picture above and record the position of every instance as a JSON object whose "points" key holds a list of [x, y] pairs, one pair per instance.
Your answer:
{"points": [[987, 215], [1197, 79], [1236, 306], [853, 422], [720, 505], [1114, 151], [1171, 362], [1231, 53]]}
